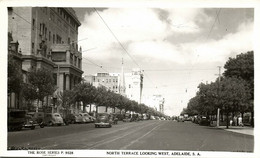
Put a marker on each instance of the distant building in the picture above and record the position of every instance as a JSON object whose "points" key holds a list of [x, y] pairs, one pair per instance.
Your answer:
{"points": [[129, 85], [48, 39], [154, 101], [134, 85], [108, 80]]}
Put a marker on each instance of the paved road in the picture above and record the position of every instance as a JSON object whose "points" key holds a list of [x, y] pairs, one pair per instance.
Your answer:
{"points": [[143, 135]]}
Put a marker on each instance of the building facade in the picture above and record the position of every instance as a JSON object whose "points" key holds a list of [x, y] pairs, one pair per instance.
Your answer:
{"points": [[154, 101], [107, 80], [48, 39], [15, 58], [134, 85], [129, 85]]}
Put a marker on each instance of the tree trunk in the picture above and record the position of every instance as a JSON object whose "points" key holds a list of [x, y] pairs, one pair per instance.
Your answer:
{"points": [[84, 107], [37, 105], [252, 119], [227, 119], [90, 108], [96, 108]]}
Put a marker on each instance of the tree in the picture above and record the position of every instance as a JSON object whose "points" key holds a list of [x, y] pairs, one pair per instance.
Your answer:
{"points": [[41, 84], [86, 93], [242, 67], [29, 93], [15, 76], [67, 98], [207, 98], [234, 95]]}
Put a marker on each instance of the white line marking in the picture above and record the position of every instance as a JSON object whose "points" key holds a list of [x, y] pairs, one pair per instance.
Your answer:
{"points": [[134, 141]]}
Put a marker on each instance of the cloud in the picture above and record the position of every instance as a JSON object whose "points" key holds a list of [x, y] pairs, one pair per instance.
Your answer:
{"points": [[220, 50], [156, 51], [144, 25], [163, 39], [185, 20]]}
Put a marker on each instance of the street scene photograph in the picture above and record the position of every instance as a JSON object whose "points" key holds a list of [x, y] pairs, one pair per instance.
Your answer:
{"points": [[130, 79]]}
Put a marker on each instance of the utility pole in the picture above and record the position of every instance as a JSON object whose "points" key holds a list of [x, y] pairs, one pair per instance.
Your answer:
{"points": [[219, 75]]}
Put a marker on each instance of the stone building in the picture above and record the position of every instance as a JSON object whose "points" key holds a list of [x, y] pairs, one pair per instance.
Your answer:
{"points": [[48, 39], [107, 80]]}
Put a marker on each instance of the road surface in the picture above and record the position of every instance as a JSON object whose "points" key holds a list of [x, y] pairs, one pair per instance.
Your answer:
{"points": [[142, 135]]}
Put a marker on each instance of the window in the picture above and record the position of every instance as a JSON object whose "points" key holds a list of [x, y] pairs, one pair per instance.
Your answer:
{"points": [[68, 40], [33, 47], [45, 34], [79, 66], [33, 24], [40, 28], [58, 41], [52, 16], [53, 39]]}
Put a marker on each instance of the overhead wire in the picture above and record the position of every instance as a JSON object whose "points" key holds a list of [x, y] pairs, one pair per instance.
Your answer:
{"points": [[121, 44]]}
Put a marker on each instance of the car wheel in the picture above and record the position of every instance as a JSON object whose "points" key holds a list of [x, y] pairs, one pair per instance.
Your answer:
{"points": [[42, 125], [50, 123]]}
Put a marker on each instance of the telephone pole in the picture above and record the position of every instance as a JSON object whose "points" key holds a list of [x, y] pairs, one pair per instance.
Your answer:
{"points": [[219, 75]]}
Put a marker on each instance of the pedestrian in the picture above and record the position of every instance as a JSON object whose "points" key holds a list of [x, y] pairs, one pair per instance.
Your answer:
{"points": [[240, 123], [231, 122], [235, 121]]}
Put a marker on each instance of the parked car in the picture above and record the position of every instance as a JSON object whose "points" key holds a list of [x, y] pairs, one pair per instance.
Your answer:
{"points": [[30, 123], [180, 119], [37, 118], [53, 119], [114, 118], [86, 117], [204, 121], [103, 120], [16, 120], [69, 119]]}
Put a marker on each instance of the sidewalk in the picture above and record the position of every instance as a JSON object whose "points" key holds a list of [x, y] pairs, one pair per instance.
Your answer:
{"points": [[238, 129]]}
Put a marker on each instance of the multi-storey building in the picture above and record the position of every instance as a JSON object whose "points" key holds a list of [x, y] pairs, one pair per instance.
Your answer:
{"points": [[15, 57], [154, 101], [108, 80], [134, 85], [48, 39], [129, 85]]}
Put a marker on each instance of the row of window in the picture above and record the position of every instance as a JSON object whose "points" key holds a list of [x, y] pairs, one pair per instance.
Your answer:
{"points": [[43, 33], [107, 80], [67, 17]]}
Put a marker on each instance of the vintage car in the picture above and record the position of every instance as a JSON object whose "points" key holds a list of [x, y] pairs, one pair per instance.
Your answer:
{"points": [[51, 119], [114, 118], [29, 123], [103, 120], [16, 120], [37, 118], [86, 117]]}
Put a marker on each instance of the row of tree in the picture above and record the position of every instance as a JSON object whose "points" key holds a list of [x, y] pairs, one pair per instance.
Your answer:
{"points": [[100, 96], [40, 84], [232, 93]]}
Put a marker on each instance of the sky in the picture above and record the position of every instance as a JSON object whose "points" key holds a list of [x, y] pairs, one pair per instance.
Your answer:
{"points": [[177, 48]]}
